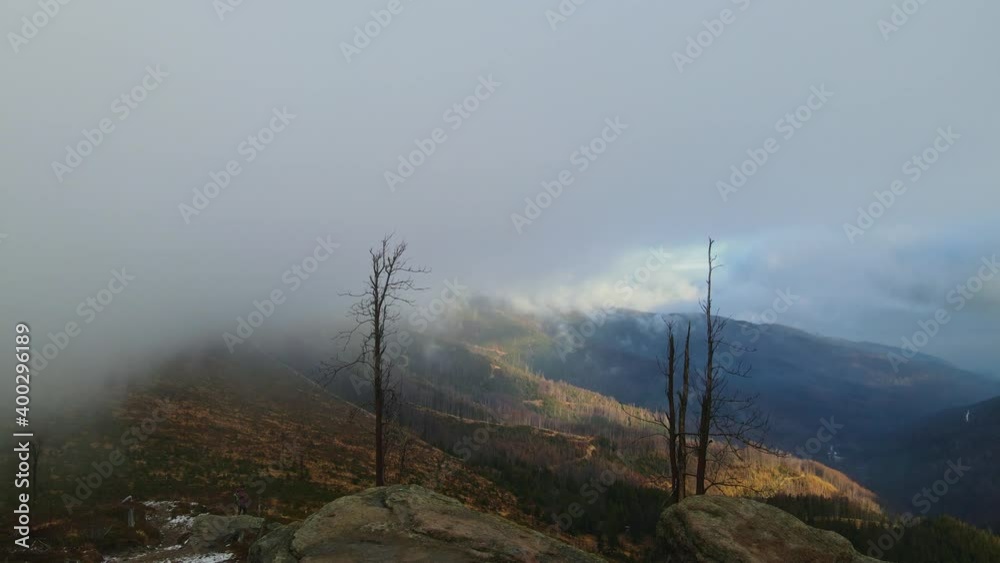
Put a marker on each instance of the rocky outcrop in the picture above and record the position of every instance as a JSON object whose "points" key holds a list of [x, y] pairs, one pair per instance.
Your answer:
{"points": [[407, 523], [275, 546], [710, 529], [209, 531]]}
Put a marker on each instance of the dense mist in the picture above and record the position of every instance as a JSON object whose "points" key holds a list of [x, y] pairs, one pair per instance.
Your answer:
{"points": [[168, 168]]}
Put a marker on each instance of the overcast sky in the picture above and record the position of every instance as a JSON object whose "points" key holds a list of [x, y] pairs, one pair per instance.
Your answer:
{"points": [[666, 98]]}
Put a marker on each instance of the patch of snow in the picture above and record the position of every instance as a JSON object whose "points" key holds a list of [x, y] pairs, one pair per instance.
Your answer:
{"points": [[182, 521], [207, 558], [160, 504]]}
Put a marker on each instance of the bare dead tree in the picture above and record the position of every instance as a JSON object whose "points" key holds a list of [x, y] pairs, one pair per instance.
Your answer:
{"points": [[676, 476], [681, 421], [672, 424], [708, 390], [405, 443], [398, 439], [375, 313], [728, 422]]}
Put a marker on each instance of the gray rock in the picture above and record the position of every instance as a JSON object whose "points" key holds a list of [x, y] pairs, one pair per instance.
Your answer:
{"points": [[711, 529], [210, 531], [412, 524], [275, 546]]}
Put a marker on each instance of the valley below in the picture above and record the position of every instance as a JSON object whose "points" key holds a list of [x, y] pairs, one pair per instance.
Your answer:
{"points": [[486, 413]]}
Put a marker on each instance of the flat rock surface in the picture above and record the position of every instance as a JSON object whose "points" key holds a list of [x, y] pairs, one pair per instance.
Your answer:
{"points": [[711, 529], [408, 523]]}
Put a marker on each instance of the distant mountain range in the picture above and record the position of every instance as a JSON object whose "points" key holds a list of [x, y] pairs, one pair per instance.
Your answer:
{"points": [[801, 377], [885, 421]]}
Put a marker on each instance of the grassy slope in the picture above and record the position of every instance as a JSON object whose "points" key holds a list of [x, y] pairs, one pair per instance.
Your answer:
{"points": [[487, 382], [252, 421], [230, 422]]}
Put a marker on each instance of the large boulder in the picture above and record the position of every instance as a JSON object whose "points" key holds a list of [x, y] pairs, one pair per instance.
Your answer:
{"points": [[275, 546], [412, 524], [210, 532], [711, 529]]}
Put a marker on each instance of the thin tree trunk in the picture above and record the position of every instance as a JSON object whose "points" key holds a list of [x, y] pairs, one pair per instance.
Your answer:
{"points": [[377, 381], [379, 435], [682, 449], [675, 476], [704, 427]]}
